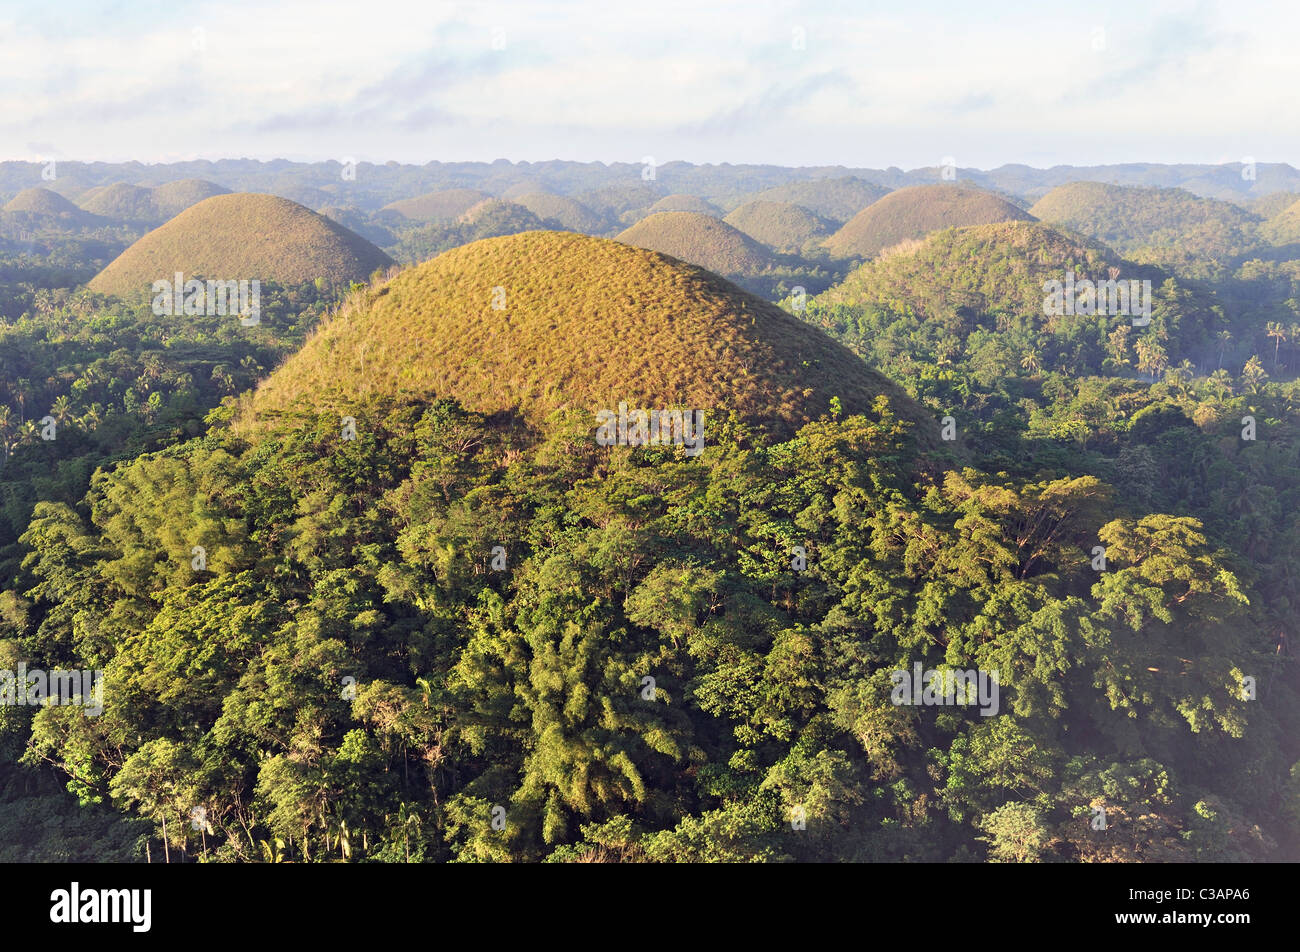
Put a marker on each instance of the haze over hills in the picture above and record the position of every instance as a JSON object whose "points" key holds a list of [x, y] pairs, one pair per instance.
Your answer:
{"points": [[441, 206], [836, 199], [1130, 219], [123, 202], [684, 203], [587, 323], [244, 236], [700, 240], [565, 212], [912, 213], [373, 185], [173, 198], [782, 226], [42, 204]]}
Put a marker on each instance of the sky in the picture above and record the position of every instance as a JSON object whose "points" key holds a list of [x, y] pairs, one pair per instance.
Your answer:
{"points": [[862, 84]]}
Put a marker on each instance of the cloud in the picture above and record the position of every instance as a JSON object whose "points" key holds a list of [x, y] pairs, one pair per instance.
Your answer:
{"points": [[993, 83]]}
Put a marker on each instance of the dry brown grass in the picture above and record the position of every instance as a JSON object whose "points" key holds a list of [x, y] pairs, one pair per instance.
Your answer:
{"points": [[916, 212], [700, 240], [243, 236], [588, 323]]}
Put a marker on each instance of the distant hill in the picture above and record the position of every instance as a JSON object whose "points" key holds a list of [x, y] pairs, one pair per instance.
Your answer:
{"points": [[1133, 219], [585, 323], [501, 213], [837, 199], [781, 226], [442, 206], [701, 240], [912, 213], [243, 236], [566, 213], [621, 202], [125, 203], [171, 199], [985, 269], [42, 205], [684, 203]]}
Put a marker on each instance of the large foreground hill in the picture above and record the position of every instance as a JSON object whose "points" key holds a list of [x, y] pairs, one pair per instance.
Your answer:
{"points": [[548, 320]]}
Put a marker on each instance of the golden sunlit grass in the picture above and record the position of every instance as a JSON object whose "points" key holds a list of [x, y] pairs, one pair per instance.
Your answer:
{"points": [[243, 236], [701, 240], [588, 322]]}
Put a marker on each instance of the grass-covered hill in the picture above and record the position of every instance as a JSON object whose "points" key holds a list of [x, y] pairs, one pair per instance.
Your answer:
{"points": [[244, 236], [701, 240], [997, 268], [42, 205], [174, 197], [681, 202], [837, 199], [562, 212], [914, 212], [782, 226], [511, 217], [585, 323], [1158, 224], [974, 298], [123, 202], [445, 205], [621, 203]]}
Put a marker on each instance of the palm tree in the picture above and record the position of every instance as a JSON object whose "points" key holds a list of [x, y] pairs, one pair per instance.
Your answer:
{"points": [[62, 409], [1278, 333], [1254, 374], [1031, 361], [1225, 338]]}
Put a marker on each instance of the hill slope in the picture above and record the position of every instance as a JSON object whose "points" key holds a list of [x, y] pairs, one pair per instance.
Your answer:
{"points": [[42, 204], [997, 268], [243, 236], [914, 212], [681, 202], [587, 323], [1130, 219], [566, 212], [1284, 227], [174, 197], [122, 202], [781, 226], [838, 199], [445, 205], [701, 240]]}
